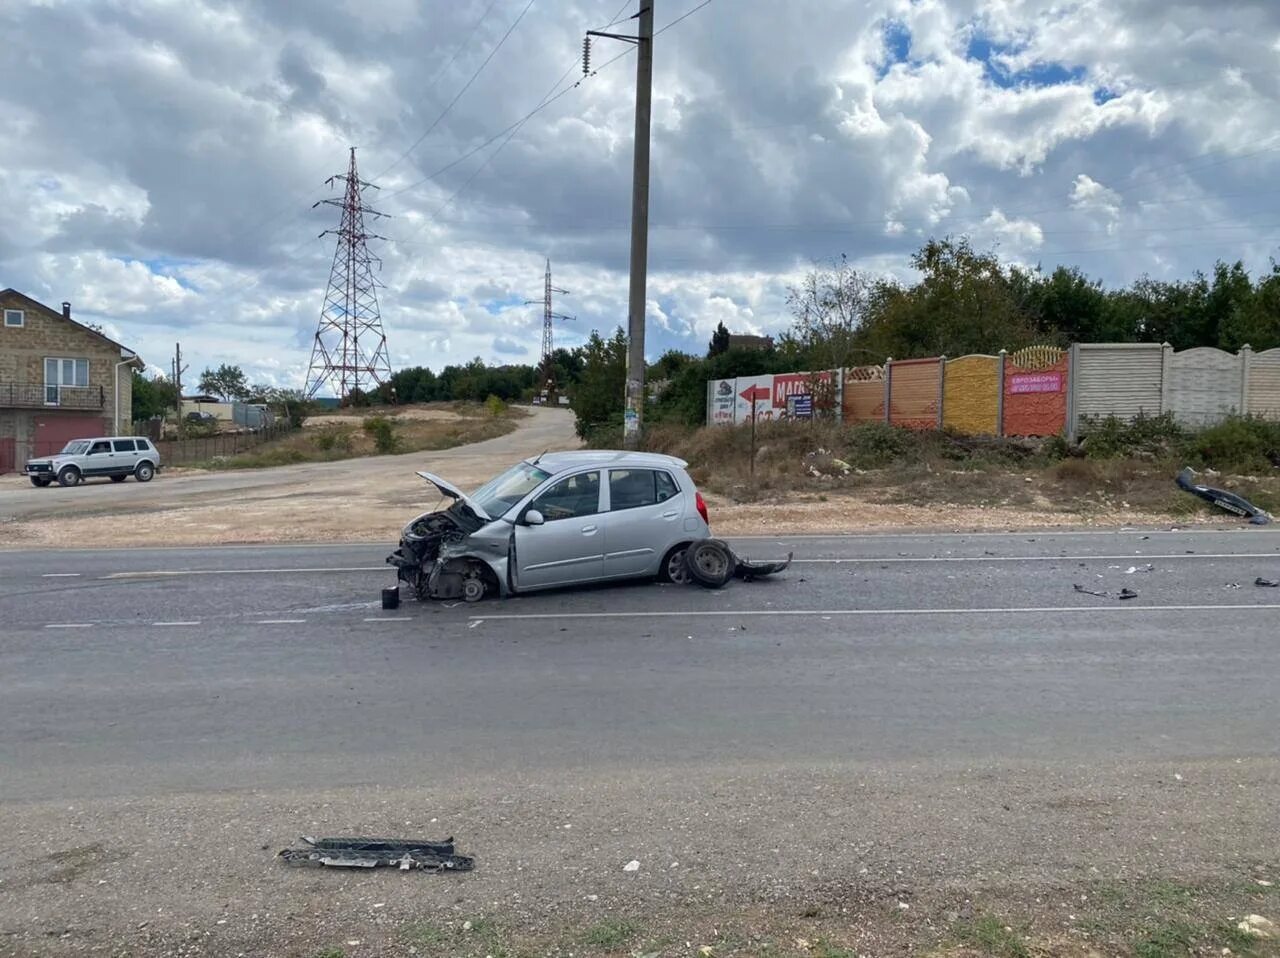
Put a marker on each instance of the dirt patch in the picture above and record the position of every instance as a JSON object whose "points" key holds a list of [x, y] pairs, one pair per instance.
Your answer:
{"points": [[733, 862]]}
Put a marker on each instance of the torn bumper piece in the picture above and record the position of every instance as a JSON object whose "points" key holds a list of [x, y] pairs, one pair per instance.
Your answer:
{"points": [[746, 569], [1228, 501], [405, 854]]}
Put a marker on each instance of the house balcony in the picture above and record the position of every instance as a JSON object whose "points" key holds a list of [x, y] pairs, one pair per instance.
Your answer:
{"points": [[39, 396]]}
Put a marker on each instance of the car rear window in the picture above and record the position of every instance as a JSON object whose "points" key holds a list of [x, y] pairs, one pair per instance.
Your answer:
{"points": [[123, 445], [143, 445], [633, 488]]}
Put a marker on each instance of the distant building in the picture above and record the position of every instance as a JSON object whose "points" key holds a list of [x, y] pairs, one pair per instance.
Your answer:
{"points": [[59, 380], [747, 341]]}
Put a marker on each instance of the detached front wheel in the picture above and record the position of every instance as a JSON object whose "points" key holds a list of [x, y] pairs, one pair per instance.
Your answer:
{"points": [[710, 563]]}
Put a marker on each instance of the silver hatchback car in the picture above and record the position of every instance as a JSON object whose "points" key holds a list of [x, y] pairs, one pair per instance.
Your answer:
{"points": [[565, 518]]}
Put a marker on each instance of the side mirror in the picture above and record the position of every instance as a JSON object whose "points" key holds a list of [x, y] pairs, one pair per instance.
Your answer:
{"points": [[533, 518]]}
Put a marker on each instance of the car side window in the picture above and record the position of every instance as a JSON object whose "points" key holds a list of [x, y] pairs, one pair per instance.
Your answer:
{"points": [[123, 445], [631, 488], [667, 488], [570, 497], [99, 447], [143, 445]]}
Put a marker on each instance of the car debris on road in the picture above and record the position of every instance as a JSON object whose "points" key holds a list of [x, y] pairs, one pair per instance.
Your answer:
{"points": [[1122, 594], [405, 854], [1228, 501]]}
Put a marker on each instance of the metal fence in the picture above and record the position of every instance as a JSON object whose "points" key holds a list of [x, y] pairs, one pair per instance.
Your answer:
{"points": [[179, 452]]}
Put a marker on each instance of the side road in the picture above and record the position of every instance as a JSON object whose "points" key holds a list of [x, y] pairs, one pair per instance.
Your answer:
{"points": [[309, 501]]}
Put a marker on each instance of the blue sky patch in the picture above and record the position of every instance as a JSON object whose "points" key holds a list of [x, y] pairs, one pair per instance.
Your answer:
{"points": [[989, 53], [897, 44], [1102, 95], [494, 306]]}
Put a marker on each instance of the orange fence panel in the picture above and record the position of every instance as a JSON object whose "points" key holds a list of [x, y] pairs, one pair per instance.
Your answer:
{"points": [[1035, 391], [971, 395], [914, 393], [864, 394]]}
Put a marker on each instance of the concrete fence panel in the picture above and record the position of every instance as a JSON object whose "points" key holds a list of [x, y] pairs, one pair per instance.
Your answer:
{"points": [[864, 394], [1124, 380], [971, 395], [1036, 384], [1203, 386], [1263, 389], [914, 391]]}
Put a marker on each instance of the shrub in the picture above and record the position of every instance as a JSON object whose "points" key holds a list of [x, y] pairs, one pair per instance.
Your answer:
{"points": [[383, 431], [494, 406], [872, 444], [1238, 444], [1150, 436], [333, 439]]}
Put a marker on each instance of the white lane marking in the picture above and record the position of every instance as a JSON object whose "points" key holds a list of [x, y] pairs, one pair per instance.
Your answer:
{"points": [[279, 621], [173, 573], [169, 573], [1039, 558], [1024, 534], [174, 623], [60, 575], [1037, 610], [70, 625], [389, 618]]}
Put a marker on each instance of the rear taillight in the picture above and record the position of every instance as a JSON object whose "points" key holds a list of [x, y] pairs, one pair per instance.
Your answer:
{"points": [[702, 509]]}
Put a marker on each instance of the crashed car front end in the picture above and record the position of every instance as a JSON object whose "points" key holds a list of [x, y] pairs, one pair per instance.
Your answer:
{"points": [[451, 554]]}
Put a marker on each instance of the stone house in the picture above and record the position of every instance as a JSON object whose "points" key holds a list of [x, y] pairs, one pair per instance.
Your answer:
{"points": [[59, 380]]}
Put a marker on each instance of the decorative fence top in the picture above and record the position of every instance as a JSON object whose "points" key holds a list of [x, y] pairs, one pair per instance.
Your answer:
{"points": [[1037, 357], [864, 374]]}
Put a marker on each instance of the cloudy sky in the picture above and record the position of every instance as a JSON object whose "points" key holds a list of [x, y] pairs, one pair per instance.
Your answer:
{"points": [[162, 156]]}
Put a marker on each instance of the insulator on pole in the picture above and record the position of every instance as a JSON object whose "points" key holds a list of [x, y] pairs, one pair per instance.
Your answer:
{"points": [[586, 55]]}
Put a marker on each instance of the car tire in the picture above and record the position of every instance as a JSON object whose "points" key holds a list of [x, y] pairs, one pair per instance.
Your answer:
{"points": [[710, 563], [69, 476], [119, 478], [673, 565], [40, 483], [144, 472]]}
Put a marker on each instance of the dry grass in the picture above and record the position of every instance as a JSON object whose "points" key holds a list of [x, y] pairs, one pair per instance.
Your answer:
{"points": [[875, 464], [346, 437]]}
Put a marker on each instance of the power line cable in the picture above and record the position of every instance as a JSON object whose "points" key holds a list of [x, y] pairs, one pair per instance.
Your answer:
{"points": [[443, 69], [458, 96]]}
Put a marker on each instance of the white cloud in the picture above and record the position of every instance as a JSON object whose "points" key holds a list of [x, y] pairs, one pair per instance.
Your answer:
{"points": [[171, 154]]}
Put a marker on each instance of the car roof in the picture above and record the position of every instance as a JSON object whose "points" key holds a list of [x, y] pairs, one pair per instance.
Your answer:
{"points": [[555, 462], [105, 439]]}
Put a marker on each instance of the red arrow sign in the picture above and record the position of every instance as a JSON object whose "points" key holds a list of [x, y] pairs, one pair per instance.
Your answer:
{"points": [[753, 393]]}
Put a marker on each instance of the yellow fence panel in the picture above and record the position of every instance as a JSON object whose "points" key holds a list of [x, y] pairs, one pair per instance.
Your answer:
{"points": [[971, 395]]}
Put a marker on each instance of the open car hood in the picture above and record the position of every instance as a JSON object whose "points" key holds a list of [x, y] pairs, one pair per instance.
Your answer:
{"points": [[453, 492]]}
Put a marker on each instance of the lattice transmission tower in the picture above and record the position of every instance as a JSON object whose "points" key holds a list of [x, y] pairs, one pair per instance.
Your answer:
{"points": [[350, 351], [548, 386]]}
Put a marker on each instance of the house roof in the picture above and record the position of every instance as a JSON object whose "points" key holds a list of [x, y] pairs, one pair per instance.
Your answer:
{"points": [[57, 314]]}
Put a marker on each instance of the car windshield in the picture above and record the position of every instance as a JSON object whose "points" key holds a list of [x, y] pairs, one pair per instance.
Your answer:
{"points": [[75, 447], [503, 491]]}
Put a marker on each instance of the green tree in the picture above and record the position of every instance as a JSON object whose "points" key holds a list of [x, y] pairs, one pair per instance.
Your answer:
{"points": [[152, 397], [719, 341], [828, 308], [965, 302], [226, 382], [597, 398], [1256, 321]]}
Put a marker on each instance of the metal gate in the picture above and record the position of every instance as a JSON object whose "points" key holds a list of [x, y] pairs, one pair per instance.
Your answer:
{"points": [[53, 431], [8, 457]]}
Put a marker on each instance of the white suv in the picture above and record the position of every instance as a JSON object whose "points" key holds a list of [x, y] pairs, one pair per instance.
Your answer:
{"points": [[115, 457]]}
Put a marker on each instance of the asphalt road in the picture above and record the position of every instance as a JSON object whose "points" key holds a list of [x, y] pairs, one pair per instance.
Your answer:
{"points": [[146, 672]]}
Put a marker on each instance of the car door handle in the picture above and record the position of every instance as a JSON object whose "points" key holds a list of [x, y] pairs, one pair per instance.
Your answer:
{"points": [[588, 530], [670, 515]]}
